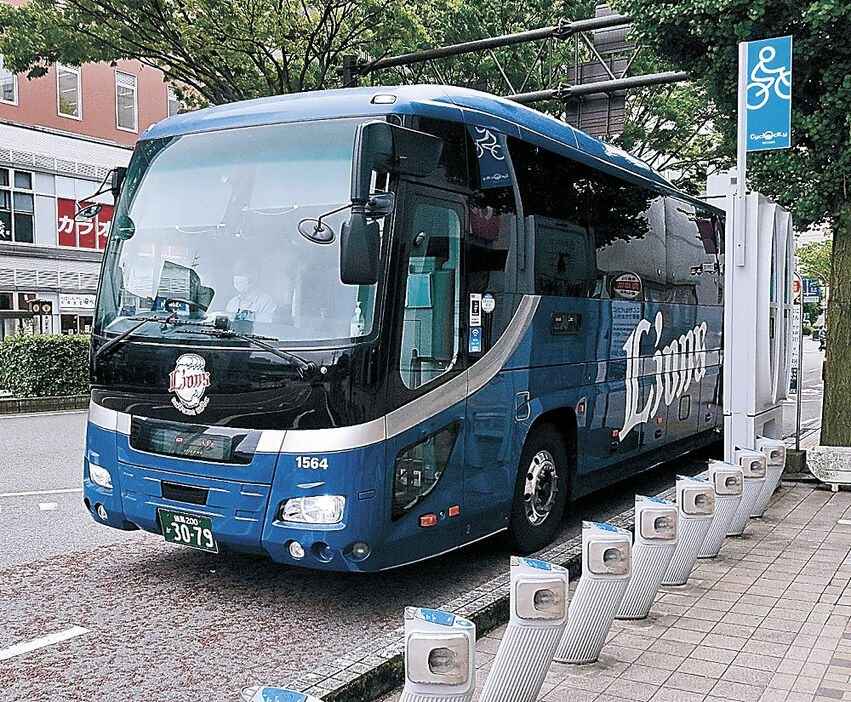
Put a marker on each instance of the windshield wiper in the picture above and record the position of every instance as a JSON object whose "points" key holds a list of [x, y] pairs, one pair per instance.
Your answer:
{"points": [[112, 343], [304, 367]]}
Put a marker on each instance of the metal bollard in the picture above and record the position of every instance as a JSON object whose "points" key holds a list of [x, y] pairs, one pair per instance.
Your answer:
{"points": [[727, 479], [606, 556], [752, 464], [539, 593], [263, 693], [440, 657], [775, 455], [655, 543], [696, 507]]}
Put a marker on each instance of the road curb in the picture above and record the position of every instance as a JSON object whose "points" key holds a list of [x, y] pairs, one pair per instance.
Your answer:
{"points": [[27, 405], [377, 667]]}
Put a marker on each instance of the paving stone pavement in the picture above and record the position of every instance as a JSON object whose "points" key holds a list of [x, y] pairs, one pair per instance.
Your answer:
{"points": [[768, 620]]}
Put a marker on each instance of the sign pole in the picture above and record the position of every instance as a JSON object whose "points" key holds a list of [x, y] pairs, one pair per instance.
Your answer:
{"points": [[739, 228], [800, 382]]}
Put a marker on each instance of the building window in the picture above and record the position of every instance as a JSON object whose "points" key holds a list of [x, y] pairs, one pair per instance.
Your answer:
{"points": [[174, 103], [126, 109], [68, 92], [16, 206], [8, 85]]}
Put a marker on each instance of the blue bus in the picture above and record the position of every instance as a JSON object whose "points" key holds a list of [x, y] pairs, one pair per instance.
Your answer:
{"points": [[358, 328]]}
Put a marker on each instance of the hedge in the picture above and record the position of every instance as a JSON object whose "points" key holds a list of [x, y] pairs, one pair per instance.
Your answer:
{"points": [[45, 364], [808, 330]]}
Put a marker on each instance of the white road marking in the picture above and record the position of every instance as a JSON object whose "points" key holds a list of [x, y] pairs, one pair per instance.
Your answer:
{"points": [[61, 491], [844, 521], [47, 506], [41, 642]]}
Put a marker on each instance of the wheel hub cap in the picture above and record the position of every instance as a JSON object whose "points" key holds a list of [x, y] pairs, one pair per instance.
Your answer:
{"points": [[541, 487]]}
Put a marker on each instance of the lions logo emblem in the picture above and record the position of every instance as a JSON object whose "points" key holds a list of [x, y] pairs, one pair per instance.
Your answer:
{"points": [[189, 381]]}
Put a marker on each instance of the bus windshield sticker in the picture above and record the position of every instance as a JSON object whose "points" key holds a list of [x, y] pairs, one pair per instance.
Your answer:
{"points": [[488, 303], [475, 309], [475, 339], [494, 170]]}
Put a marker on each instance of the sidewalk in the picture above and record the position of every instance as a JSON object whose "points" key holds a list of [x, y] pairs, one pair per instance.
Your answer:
{"points": [[768, 619]]}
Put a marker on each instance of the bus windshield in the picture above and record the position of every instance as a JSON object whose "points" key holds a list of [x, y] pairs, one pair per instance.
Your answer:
{"points": [[214, 224]]}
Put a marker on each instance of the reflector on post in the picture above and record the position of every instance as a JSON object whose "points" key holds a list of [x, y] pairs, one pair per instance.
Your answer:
{"points": [[656, 540], [539, 593], [753, 465], [696, 508], [606, 562], [775, 455], [440, 657], [727, 480]]}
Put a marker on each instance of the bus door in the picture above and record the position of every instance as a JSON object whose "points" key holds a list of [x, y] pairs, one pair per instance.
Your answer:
{"points": [[682, 389], [426, 380]]}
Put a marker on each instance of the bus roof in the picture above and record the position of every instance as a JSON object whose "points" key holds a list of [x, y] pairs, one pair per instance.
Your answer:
{"points": [[438, 101]]}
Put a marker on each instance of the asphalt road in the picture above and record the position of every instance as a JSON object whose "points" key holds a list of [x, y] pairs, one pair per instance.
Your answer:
{"points": [[167, 623]]}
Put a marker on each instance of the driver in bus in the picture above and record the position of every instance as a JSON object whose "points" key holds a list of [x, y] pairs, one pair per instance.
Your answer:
{"points": [[251, 303]]}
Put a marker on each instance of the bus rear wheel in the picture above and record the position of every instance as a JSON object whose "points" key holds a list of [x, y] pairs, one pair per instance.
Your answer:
{"points": [[541, 490]]}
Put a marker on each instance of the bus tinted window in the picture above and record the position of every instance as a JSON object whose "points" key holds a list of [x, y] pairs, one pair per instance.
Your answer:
{"points": [[432, 295]]}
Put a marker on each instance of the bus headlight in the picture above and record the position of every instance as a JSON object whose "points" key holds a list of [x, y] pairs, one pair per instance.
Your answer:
{"points": [[100, 476], [319, 509]]}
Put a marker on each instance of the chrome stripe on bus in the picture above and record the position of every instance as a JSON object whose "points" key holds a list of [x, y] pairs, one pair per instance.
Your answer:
{"points": [[335, 439], [406, 417], [102, 417], [465, 384]]}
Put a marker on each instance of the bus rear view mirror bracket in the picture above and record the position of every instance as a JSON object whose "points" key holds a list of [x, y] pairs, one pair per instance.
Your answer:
{"points": [[385, 148]]}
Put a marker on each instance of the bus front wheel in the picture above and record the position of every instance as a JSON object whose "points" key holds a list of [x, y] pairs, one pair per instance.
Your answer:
{"points": [[540, 492]]}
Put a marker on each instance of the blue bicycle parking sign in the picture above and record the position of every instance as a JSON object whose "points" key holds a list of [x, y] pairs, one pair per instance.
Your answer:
{"points": [[769, 94]]}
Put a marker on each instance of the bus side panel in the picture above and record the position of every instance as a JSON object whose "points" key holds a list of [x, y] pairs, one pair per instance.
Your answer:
{"points": [[100, 450], [491, 461]]}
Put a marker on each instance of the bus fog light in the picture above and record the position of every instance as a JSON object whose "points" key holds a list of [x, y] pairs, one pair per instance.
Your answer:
{"points": [[319, 509], [101, 510], [296, 550], [360, 550], [100, 476]]}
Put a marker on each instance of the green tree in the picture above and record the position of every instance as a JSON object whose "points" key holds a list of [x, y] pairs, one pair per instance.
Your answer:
{"points": [[221, 50], [815, 260], [812, 178]]}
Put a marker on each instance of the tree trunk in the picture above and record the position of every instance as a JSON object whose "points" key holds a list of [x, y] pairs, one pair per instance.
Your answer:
{"points": [[836, 411]]}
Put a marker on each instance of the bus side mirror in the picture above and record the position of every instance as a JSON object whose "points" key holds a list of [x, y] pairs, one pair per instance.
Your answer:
{"points": [[386, 148], [360, 241], [117, 176]]}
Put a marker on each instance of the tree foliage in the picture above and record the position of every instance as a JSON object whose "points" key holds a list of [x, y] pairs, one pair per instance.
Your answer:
{"points": [[221, 50], [815, 260], [811, 178]]}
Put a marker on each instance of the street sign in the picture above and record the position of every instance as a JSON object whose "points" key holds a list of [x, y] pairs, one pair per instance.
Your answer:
{"points": [[811, 290], [769, 94], [796, 287], [795, 343]]}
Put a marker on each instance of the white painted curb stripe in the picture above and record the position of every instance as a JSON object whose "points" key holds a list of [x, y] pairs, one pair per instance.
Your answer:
{"points": [[40, 492], [49, 640]]}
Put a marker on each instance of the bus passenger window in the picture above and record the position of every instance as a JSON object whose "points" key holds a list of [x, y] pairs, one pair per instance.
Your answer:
{"points": [[565, 263], [432, 295]]}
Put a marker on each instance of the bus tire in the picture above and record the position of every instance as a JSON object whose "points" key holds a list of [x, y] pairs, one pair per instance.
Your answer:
{"points": [[540, 492]]}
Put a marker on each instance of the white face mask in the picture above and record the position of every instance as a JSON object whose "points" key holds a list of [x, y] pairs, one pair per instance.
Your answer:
{"points": [[241, 283]]}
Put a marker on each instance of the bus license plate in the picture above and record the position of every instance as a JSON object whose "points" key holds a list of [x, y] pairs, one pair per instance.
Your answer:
{"points": [[188, 530]]}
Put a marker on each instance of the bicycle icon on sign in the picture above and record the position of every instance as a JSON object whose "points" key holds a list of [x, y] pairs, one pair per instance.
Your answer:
{"points": [[763, 79]]}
